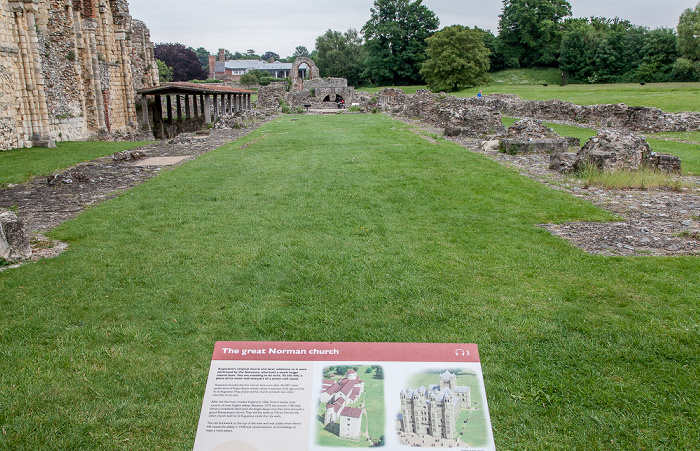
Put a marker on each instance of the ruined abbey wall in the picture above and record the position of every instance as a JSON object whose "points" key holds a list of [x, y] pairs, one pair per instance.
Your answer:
{"points": [[69, 70]]}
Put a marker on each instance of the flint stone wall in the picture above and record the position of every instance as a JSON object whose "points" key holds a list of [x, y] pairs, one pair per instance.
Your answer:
{"points": [[442, 111], [330, 87], [614, 151], [14, 243], [532, 136], [606, 116], [609, 116], [68, 70], [545, 145], [269, 96]]}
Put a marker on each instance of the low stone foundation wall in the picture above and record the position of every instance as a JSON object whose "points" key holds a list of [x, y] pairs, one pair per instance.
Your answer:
{"points": [[550, 145], [611, 116], [442, 111], [611, 151], [666, 163]]}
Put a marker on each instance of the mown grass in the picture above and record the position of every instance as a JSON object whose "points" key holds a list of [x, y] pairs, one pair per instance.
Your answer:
{"points": [[345, 228], [20, 165], [533, 76]]}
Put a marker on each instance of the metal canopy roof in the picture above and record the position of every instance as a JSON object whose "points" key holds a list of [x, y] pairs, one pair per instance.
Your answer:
{"points": [[193, 88]]}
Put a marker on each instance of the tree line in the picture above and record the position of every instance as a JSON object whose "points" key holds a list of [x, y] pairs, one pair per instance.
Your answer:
{"points": [[401, 44]]}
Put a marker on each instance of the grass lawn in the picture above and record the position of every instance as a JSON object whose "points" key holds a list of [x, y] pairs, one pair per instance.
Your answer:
{"points": [[345, 228], [20, 165]]}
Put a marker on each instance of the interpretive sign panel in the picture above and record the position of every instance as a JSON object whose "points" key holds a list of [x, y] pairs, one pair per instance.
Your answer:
{"points": [[297, 396]]}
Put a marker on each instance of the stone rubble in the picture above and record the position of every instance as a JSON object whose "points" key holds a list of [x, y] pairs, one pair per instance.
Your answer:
{"points": [[654, 222], [14, 242], [615, 151], [531, 136]]}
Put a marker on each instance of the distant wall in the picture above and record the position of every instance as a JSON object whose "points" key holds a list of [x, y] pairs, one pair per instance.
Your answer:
{"points": [[445, 110], [613, 116]]}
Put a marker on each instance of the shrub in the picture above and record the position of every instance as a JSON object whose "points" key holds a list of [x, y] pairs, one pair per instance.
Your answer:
{"points": [[249, 79]]}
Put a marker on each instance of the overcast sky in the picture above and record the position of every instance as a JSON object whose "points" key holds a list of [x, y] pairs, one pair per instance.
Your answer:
{"points": [[282, 25]]}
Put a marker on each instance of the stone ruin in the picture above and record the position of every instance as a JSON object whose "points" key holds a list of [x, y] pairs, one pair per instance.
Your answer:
{"points": [[455, 114], [14, 243], [611, 151], [481, 117], [297, 81], [69, 70], [605, 116], [531, 136], [316, 92]]}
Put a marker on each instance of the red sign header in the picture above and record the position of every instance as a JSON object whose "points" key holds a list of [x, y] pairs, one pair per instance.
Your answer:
{"points": [[340, 351]]}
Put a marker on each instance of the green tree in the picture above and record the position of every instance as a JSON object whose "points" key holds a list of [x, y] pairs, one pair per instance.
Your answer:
{"points": [[182, 60], [301, 51], [203, 57], [379, 373], [457, 58], [249, 79], [165, 72], [340, 55], [660, 54], [267, 56], [531, 31], [395, 40], [689, 34], [600, 50], [497, 59]]}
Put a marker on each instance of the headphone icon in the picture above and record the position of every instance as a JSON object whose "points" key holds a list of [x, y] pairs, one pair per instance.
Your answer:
{"points": [[461, 352]]}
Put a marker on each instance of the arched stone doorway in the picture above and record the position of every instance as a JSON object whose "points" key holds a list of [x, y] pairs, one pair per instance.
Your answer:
{"points": [[337, 99], [297, 82]]}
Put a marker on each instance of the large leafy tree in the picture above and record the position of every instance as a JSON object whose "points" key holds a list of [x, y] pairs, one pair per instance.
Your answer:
{"points": [[268, 56], [165, 73], [340, 55], [531, 31], [203, 56], [457, 58], [301, 51], [600, 50], [395, 40], [183, 60], [689, 34], [659, 56]]}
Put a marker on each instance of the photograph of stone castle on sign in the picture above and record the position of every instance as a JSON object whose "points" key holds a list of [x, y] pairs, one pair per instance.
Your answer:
{"points": [[351, 406], [444, 411]]}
